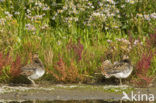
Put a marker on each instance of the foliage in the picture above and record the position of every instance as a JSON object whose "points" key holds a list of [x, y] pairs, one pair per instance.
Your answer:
{"points": [[76, 48], [145, 70], [74, 37], [9, 68], [151, 42], [143, 67], [15, 67], [66, 74]]}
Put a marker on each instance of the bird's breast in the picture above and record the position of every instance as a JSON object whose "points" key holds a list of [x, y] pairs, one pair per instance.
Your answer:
{"points": [[38, 73], [125, 73]]}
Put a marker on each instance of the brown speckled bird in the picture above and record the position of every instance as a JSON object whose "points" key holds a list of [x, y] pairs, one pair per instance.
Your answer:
{"points": [[119, 70], [35, 70]]}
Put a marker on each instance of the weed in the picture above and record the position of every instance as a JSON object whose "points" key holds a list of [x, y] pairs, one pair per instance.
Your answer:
{"points": [[4, 61], [15, 69], [151, 42], [142, 69], [76, 48], [66, 74]]}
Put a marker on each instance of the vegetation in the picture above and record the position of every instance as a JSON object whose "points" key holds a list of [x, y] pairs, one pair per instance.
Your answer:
{"points": [[73, 37]]}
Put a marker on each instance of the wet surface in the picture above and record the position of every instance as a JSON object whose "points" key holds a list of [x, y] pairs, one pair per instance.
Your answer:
{"points": [[71, 101], [70, 94]]}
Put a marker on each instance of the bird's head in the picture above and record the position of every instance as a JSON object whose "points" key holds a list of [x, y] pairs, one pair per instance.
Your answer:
{"points": [[36, 59], [126, 59], [106, 63], [35, 56]]}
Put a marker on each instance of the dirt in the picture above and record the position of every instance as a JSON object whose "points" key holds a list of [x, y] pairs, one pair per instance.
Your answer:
{"points": [[70, 92]]}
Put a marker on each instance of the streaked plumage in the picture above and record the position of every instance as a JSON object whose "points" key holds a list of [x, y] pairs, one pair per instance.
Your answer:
{"points": [[119, 70], [106, 65], [35, 70]]}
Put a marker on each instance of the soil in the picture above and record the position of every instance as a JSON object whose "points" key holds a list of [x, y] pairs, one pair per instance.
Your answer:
{"points": [[70, 92]]}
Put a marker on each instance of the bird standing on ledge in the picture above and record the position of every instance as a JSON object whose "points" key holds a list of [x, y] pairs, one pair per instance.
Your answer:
{"points": [[119, 70], [35, 70]]}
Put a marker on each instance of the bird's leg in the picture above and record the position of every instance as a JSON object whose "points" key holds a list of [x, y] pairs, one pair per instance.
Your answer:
{"points": [[120, 82], [34, 101], [34, 84], [120, 101]]}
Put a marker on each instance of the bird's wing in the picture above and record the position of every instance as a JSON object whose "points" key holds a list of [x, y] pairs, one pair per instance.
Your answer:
{"points": [[106, 66], [116, 68], [120, 66], [28, 69]]}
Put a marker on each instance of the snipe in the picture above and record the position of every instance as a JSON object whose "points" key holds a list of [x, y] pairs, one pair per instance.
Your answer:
{"points": [[120, 70], [35, 70]]}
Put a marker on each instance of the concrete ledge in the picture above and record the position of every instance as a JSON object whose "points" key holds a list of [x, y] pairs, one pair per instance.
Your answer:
{"points": [[70, 92]]}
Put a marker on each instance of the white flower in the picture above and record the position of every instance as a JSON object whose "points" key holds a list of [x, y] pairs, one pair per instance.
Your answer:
{"points": [[90, 4], [44, 26], [112, 14], [76, 19], [64, 37], [130, 1], [59, 11], [28, 11], [118, 39], [122, 6], [111, 1], [38, 4], [17, 13], [106, 28], [109, 41], [30, 27], [8, 14], [100, 4], [38, 17], [2, 21], [53, 18], [153, 15], [139, 15], [65, 8], [1, 0], [59, 42], [97, 14], [46, 8], [147, 17], [141, 43], [136, 42], [11, 7], [125, 41]]}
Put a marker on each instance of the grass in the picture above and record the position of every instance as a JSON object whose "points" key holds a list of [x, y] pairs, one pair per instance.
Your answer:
{"points": [[75, 40]]}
